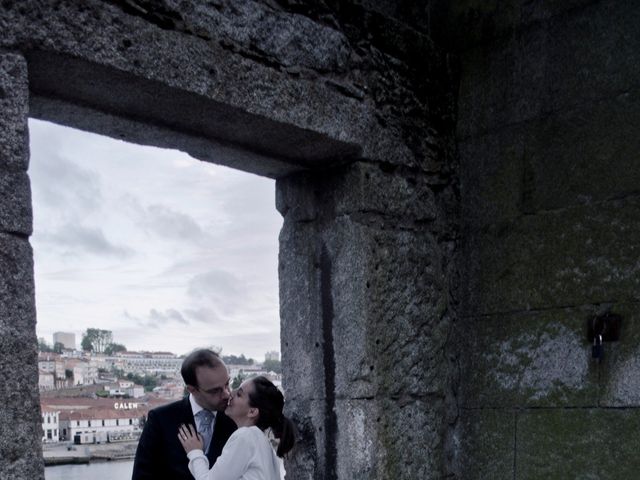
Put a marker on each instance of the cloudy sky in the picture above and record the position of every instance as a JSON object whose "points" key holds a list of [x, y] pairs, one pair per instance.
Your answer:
{"points": [[168, 252]]}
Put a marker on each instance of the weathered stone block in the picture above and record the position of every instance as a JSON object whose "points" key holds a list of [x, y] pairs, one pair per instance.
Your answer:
{"points": [[300, 312], [492, 177], [558, 64], [359, 189], [585, 155], [386, 438], [581, 443], [257, 28], [620, 370], [14, 105], [388, 290], [470, 23], [528, 359], [306, 461], [574, 256], [20, 423], [15, 203], [17, 305], [298, 80], [486, 436], [568, 158]]}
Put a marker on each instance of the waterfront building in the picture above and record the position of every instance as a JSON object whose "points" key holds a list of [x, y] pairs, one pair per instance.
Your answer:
{"points": [[50, 425], [101, 425]]}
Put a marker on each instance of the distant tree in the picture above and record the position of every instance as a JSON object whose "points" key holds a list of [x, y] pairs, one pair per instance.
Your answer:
{"points": [[96, 340], [237, 381], [235, 360], [43, 346], [114, 347], [58, 347], [86, 344], [272, 366], [149, 382]]}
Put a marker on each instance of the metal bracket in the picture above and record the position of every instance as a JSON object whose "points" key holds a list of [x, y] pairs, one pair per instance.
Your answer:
{"points": [[608, 325]]}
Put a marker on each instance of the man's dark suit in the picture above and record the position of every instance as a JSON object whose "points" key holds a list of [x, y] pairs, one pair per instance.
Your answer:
{"points": [[160, 455]]}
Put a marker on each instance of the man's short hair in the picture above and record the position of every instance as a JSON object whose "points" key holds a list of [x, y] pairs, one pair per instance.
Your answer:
{"points": [[202, 357]]}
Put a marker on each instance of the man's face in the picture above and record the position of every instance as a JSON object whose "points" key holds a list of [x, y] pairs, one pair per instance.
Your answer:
{"points": [[212, 391]]}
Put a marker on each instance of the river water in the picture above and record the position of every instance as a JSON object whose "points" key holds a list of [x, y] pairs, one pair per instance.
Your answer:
{"points": [[92, 471]]}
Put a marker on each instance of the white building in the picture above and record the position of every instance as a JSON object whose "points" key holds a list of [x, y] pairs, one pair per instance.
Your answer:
{"points": [[53, 365], [125, 388], [100, 426], [272, 356], [46, 380], [245, 370], [153, 363], [68, 340], [50, 426], [84, 371]]}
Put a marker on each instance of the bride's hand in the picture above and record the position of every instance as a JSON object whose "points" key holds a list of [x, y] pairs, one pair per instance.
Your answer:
{"points": [[189, 438]]}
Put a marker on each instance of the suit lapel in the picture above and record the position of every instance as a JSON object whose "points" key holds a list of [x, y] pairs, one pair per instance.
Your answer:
{"points": [[187, 413]]}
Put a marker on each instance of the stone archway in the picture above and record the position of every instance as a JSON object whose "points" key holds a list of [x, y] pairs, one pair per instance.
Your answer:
{"points": [[365, 182]]}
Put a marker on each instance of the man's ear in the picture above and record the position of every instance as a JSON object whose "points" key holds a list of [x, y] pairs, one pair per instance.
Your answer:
{"points": [[191, 389]]}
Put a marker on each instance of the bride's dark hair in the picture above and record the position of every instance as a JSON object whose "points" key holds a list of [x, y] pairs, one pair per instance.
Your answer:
{"points": [[269, 401]]}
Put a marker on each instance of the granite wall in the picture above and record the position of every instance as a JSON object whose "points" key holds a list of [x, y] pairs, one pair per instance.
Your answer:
{"points": [[459, 187], [351, 109], [548, 104]]}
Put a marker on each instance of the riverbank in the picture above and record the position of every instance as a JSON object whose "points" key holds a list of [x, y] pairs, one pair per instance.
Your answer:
{"points": [[68, 454]]}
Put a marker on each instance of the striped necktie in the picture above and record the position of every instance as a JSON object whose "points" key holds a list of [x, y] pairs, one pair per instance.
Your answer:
{"points": [[204, 420]]}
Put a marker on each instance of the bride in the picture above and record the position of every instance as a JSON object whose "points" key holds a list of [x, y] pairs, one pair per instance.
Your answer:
{"points": [[255, 406]]}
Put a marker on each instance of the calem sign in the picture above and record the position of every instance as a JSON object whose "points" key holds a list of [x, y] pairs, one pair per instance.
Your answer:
{"points": [[125, 406]]}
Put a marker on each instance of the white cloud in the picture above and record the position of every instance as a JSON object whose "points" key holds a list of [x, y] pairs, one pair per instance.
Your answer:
{"points": [[168, 252]]}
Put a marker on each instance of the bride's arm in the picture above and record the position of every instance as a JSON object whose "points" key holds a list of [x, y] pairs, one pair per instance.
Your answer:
{"points": [[230, 465]]}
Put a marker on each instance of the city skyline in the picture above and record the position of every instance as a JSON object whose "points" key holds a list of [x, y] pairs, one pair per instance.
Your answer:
{"points": [[113, 250]]}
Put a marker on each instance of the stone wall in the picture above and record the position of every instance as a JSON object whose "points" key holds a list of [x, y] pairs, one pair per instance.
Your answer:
{"points": [[20, 422], [352, 110], [434, 294], [547, 108]]}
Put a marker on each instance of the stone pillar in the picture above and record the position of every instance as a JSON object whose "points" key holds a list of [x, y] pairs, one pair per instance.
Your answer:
{"points": [[365, 308], [20, 424]]}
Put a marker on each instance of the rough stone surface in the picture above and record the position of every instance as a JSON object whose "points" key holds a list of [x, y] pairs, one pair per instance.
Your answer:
{"points": [[381, 282], [527, 177], [352, 106], [561, 63], [620, 376], [15, 203], [487, 438], [549, 202], [530, 359], [14, 105], [369, 97], [562, 443], [20, 424], [569, 257]]}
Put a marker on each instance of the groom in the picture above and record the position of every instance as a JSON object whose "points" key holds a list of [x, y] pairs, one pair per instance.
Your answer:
{"points": [[160, 455]]}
